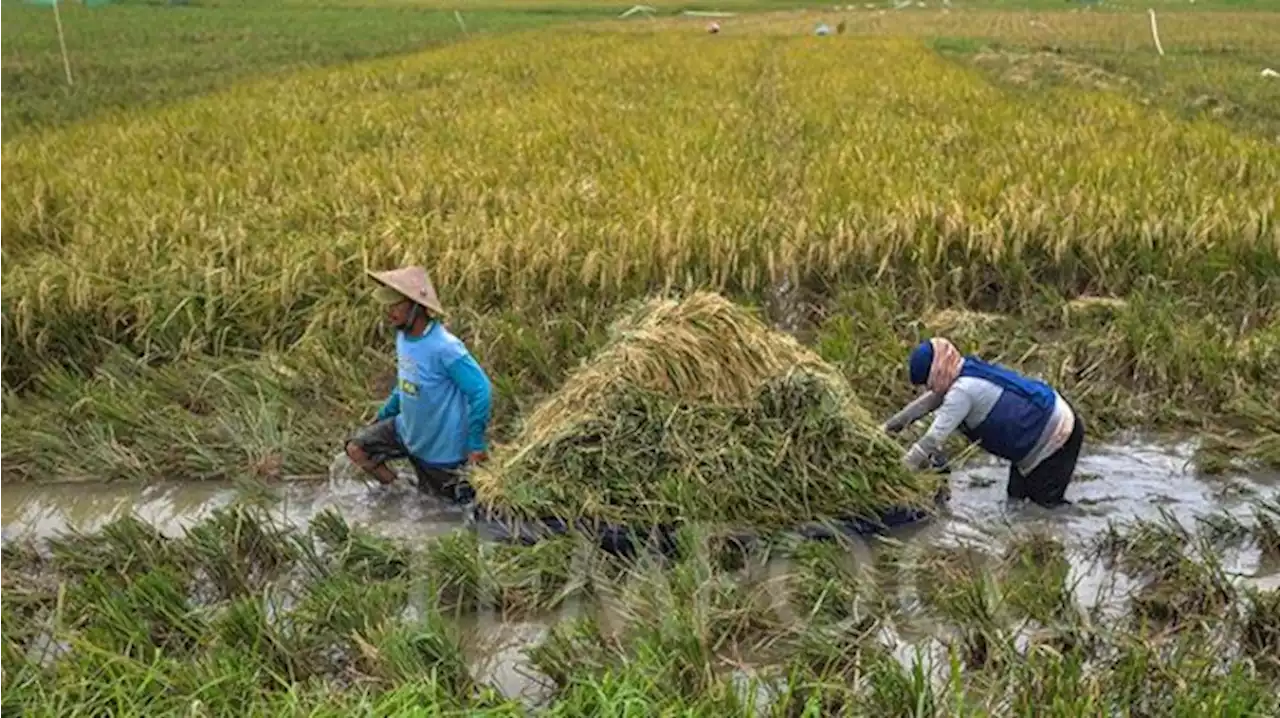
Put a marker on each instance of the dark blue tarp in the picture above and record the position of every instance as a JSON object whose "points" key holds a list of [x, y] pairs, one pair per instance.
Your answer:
{"points": [[627, 541]]}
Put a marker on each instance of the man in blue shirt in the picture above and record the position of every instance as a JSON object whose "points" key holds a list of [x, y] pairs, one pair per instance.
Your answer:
{"points": [[438, 410]]}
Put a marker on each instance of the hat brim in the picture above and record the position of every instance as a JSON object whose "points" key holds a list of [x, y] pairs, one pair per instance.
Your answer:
{"points": [[386, 295], [413, 284]]}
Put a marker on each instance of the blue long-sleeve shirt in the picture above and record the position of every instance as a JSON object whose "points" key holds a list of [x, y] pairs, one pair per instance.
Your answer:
{"points": [[442, 398]]}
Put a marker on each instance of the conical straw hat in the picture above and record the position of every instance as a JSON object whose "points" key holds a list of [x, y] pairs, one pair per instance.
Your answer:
{"points": [[414, 284]]}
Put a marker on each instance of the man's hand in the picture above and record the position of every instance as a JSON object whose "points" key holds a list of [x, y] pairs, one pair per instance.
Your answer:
{"points": [[478, 457]]}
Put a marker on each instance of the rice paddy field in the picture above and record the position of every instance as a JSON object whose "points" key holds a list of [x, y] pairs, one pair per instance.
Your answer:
{"points": [[188, 339]]}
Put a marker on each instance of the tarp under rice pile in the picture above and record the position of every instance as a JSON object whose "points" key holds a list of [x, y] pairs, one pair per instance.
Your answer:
{"points": [[697, 411]]}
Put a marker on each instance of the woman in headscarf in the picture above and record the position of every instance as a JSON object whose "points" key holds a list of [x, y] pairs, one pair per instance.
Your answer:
{"points": [[1009, 415]]}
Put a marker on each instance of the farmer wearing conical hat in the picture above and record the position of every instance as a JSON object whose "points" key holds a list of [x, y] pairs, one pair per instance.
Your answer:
{"points": [[1009, 415], [438, 411]]}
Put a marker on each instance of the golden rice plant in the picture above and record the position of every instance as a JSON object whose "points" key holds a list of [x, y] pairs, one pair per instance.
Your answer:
{"points": [[613, 166]]}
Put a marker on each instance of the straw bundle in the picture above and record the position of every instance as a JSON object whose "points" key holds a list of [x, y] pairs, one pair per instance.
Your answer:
{"points": [[697, 411]]}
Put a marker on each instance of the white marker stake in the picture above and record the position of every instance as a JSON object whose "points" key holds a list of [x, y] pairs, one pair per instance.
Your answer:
{"points": [[1155, 32], [66, 63]]}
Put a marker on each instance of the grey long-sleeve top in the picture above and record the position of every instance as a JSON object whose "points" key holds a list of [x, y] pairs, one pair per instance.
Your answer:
{"points": [[970, 400]]}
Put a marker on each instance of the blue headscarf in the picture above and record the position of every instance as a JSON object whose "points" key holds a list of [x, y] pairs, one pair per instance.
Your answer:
{"points": [[919, 363]]}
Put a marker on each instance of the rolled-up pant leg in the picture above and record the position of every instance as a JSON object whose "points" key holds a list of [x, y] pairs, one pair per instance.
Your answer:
{"points": [[380, 442]]}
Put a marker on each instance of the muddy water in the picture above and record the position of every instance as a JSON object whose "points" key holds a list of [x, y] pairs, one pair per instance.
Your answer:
{"points": [[1115, 482], [48, 509]]}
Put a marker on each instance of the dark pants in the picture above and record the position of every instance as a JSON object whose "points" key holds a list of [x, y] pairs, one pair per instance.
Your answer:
{"points": [[1047, 483], [381, 443]]}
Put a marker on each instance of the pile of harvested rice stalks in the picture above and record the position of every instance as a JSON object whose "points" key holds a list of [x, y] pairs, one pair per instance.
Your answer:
{"points": [[697, 411]]}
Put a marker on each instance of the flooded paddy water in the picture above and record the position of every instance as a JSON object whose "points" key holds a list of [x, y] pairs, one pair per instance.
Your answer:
{"points": [[1115, 483]]}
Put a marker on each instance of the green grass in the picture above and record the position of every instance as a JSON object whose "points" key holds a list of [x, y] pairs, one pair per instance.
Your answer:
{"points": [[130, 56], [1207, 78]]}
